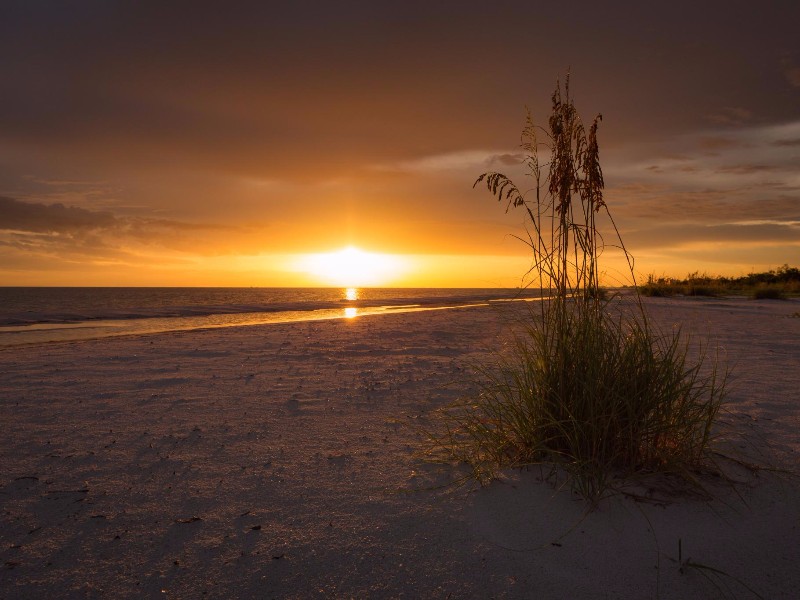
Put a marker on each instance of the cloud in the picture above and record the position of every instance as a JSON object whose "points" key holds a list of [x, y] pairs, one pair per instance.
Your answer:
{"points": [[716, 143], [463, 160], [702, 206], [70, 231], [751, 159], [508, 160], [787, 143], [731, 115], [40, 218], [712, 193], [746, 169], [792, 75], [733, 235]]}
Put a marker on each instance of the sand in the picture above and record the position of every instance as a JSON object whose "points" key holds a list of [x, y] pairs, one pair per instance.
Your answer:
{"points": [[280, 461]]}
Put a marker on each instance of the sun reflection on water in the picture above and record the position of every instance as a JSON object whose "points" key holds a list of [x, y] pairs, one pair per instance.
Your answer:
{"points": [[351, 295]]}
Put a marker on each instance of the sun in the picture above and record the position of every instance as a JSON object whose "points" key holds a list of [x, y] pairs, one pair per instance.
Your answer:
{"points": [[352, 267]]}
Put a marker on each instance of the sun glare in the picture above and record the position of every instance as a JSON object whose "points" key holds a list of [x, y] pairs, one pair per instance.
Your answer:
{"points": [[352, 268]]}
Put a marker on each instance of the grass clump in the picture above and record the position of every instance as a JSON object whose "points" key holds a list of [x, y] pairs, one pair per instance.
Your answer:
{"points": [[703, 290], [769, 292], [703, 285], [605, 399], [659, 288], [694, 285], [589, 389]]}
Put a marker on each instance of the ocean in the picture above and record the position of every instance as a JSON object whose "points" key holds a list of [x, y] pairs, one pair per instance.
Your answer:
{"points": [[31, 315]]}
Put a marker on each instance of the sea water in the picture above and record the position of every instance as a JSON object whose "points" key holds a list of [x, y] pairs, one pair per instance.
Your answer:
{"points": [[30, 315]]}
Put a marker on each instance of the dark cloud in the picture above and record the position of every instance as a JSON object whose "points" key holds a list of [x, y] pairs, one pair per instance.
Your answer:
{"points": [[731, 235], [793, 76], [25, 216], [639, 202], [747, 169], [731, 115], [36, 217], [71, 229], [717, 143]]}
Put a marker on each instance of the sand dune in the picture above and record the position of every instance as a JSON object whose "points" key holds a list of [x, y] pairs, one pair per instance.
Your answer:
{"points": [[280, 461]]}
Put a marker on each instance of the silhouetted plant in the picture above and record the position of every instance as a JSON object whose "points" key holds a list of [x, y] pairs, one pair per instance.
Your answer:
{"points": [[595, 392]]}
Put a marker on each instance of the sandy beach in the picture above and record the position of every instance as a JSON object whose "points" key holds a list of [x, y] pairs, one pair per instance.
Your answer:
{"points": [[282, 461]]}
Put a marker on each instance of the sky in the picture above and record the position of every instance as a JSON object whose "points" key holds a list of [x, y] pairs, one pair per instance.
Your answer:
{"points": [[193, 143]]}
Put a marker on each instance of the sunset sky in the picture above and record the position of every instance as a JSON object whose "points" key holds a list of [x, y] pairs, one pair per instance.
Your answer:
{"points": [[158, 143]]}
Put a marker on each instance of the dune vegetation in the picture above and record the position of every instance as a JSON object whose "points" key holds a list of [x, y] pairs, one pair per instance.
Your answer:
{"points": [[776, 284], [590, 389]]}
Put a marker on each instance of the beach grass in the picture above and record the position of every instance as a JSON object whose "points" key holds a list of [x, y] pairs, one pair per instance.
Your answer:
{"points": [[604, 398], [589, 389]]}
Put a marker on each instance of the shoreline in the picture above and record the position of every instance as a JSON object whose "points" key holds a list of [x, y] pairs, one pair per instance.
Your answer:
{"points": [[37, 333], [281, 461], [87, 331], [68, 326]]}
